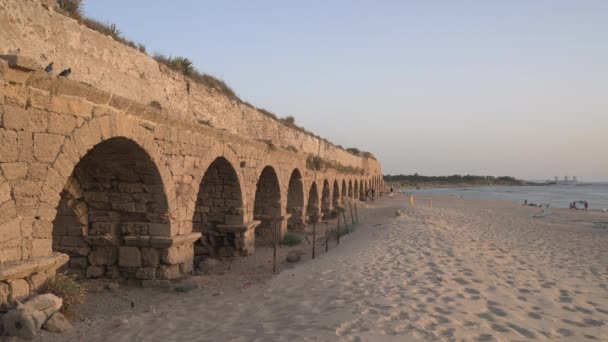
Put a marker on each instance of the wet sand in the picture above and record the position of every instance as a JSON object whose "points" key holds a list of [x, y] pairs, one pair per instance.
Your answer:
{"points": [[467, 269]]}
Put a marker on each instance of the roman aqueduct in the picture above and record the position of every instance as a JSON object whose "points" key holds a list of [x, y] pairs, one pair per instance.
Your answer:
{"points": [[95, 178]]}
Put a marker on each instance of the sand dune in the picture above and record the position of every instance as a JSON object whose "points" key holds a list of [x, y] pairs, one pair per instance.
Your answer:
{"points": [[465, 270]]}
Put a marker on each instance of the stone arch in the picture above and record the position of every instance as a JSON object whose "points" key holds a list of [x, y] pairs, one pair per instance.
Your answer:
{"points": [[350, 189], [219, 203], [336, 195], [361, 190], [267, 204], [312, 209], [295, 198], [326, 198], [114, 194]]}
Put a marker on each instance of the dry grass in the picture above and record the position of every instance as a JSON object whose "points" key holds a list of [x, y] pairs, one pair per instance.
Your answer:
{"points": [[317, 163], [70, 290]]}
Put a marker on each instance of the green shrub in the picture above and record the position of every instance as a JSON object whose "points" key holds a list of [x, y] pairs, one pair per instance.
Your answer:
{"points": [[291, 240], [73, 8], [70, 290]]}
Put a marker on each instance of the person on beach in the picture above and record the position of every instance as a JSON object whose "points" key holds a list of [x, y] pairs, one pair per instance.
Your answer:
{"points": [[525, 202], [586, 205]]}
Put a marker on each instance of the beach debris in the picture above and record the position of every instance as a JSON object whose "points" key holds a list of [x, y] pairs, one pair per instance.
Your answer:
{"points": [[57, 323], [113, 286], [398, 212], [377, 224], [293, 257], [246, 283], [26, 320], [186, 286], [66, 72]]}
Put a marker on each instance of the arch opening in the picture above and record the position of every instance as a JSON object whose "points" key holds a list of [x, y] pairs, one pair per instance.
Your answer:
{"points": [[312, 208], [326, 199], [350, 189], [115, 193], [219, 204], [295, 200], [267, 205], [336, 195]]}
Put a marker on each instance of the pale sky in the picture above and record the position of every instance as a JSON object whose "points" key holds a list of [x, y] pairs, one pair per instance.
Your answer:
{"points": [[516, 88]]}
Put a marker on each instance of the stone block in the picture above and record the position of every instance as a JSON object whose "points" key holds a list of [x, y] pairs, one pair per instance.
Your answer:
{"points": [[129, 257], [25, 146], [233, 219], [5, 192], [36, 280], [66, 86], [42, 229], [40, 80], [103, 228], [9, 150], [150, 257], [95, 271], [61, 124], [186, 267], [146, 273], [47, 146], [112, 272], [36, 171], [41, 247], [71, 105], [160, 229], [120, 102], [16, 76], [20, 290], [10, 230], [135, 228], [21, 62], [13, 171], [168, 272], [178, 254], [79, 262], [103, 256], [15, 95], [98, 96]]}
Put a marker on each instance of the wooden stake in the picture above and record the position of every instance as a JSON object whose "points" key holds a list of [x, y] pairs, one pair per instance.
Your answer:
{"points": [[352, 218], [356, 213], [274, 244], [314, 235], [338, 238], [345, 224], [326, 238]]}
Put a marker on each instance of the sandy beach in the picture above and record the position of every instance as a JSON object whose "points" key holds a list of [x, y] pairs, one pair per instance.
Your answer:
{"points": [[464, 270]]}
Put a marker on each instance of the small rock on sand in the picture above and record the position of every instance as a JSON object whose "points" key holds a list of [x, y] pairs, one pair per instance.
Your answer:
{"points": [[57, 323], [113, 286], [293, 257], [186, 286]]}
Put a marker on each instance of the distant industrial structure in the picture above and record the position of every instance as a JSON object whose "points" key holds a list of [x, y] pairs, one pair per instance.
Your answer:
{"points": [[564, 181]]}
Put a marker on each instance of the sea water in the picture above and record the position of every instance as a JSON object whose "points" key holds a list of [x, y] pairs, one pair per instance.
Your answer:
{"points": [[559, 196]]}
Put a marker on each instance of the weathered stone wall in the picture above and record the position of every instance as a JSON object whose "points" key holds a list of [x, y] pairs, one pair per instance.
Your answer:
{"points": [[31, 29], [109, 187]]}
